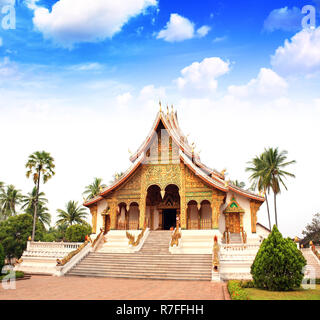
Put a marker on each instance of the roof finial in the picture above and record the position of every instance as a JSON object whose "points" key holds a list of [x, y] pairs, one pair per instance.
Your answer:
{"points": [[167, 110], [172, 108], [160, 106]]}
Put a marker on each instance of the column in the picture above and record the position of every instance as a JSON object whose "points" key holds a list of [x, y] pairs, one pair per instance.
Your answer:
{"points": [[113, 214], [94, 213], [142, 212], [254, 207], [217, 201], [199, 213], [183, 205]]}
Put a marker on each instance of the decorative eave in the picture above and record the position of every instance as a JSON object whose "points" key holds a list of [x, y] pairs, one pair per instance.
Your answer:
{"points": [[233, 206], [117, 183], [196, 170], [245, 193], [170, 123]]}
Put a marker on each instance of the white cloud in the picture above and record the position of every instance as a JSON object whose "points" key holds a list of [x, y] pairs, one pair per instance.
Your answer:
{"points": [[179, 28], [203, 31], [267, 84], [74, 21], [300, 55], [202, 76], [1, 42], [91, 66], [284, 19]]}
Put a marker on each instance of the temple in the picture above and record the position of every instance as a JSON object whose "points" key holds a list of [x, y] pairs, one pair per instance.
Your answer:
{"points": [[169, 216], [166, 183]]}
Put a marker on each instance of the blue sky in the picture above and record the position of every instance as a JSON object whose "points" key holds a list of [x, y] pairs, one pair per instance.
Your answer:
{"points": [[82, 80]]}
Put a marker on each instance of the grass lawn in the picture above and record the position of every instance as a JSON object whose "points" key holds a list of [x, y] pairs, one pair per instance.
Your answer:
{"points": [[299, 294]]}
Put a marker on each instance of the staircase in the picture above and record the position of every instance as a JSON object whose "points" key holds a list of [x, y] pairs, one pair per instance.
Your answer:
{"points": [[235, 238], [153, 261], [312, 261]]}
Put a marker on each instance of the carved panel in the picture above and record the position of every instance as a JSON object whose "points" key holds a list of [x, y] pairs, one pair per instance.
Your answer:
{"points": [[194, 183], [162, 175]]}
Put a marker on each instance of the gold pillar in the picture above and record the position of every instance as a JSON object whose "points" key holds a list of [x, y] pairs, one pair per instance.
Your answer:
{"points": [[241, 220], [94, 213], [217, 201], [254, 207], [183, 206], [113, 214], [142, 212], [199, 213]]}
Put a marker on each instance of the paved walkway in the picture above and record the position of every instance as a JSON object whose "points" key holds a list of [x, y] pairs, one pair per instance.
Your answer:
{"points": [[82, 288]]}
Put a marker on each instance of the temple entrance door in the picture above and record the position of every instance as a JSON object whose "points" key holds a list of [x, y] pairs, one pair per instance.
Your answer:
{"points": [[107, 223], [234, 222], [169, 218]]}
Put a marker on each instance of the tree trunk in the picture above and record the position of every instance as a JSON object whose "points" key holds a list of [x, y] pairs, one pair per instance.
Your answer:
{"points": [[275, 208], [35, 208], [268, 211]]}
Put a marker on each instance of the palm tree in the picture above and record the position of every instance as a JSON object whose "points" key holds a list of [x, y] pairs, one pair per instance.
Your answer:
{"points": [[258, 167], [9, 199], [73, 214], [275, 161], [239, 184], [94, 188], [28, 204], [39, 163]]}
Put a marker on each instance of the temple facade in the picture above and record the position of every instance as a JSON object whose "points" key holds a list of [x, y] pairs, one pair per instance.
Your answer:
{"points": [[168, 184]]}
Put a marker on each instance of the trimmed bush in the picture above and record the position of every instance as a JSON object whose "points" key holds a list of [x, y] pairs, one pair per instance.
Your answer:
{"points": [[278, 264], [77, 232], [246, 284], [236, 291], [2, 257]]}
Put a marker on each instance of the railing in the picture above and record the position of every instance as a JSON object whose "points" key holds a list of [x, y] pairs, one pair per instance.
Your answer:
{"points": [[71, 254], [97, 239], [205, 224], [243, 235], [52, 246], [133, 225], [315, 251], [226, 236], [239, 246]]}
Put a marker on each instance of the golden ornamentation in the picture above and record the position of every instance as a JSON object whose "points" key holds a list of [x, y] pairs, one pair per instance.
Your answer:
{"points": [[132, 239], [254, 207], [217, 201], [71, 254], [96, 239], [215, 262], [175, 237]]}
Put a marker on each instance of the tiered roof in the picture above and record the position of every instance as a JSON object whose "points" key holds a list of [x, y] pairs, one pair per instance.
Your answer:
{"points": [[191, 159]]}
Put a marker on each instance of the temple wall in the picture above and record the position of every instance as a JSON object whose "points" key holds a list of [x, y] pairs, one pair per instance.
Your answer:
{"points": [[245, 204], [101, 206]]}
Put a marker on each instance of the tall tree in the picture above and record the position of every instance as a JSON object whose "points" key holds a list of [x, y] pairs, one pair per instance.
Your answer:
{"points": [[72, 214], [312, 231], [39, 164], [28, 204], [239, 184], [275, 161], [258, 170], [94, 188], [10, 197]]}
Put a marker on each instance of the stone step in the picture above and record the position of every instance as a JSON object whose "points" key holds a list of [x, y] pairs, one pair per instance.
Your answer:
{"points": [[139, 265], [142, 276]]}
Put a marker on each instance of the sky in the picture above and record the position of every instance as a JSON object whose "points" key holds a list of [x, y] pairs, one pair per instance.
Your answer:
{"points": [[82, 80]]}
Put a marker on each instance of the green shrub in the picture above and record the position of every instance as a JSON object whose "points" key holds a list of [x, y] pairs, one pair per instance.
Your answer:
{"points": [[78, 232], [246, 284], [278, 264], [236, 291], [2, 257]]}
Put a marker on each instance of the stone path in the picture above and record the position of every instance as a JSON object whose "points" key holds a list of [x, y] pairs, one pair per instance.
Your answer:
{"points": [[82, 288]]}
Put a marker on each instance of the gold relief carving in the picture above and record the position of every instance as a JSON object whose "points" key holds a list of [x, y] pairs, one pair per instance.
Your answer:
{"points": [[142, 202], [217, 201], [162, 175], [113, 214], [183, 204], [94, 211], [254, 207], [193, 182]]}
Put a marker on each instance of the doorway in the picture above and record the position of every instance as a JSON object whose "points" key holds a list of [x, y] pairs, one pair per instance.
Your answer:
{"points": [[169, 218]]}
